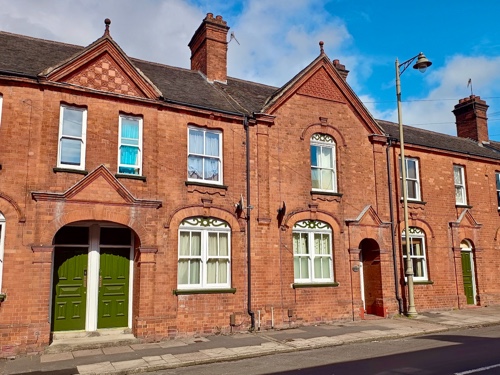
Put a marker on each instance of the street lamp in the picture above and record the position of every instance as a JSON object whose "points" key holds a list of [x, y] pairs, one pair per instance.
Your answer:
{"points": [[422, 64]]}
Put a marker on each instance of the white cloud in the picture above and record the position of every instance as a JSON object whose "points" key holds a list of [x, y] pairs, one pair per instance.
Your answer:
{"points": [[449, 84]]}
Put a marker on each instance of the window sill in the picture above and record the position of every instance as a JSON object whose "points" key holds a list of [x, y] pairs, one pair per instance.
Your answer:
{"points": [[462, 206], [322, 192], [411, 201], [178, 292], [130, 176], [70, 170], [423, 282], [314, 285], [206, 184]]}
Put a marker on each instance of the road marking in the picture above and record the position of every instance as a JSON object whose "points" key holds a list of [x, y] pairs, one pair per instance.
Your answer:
{"points": [[477, 370]]}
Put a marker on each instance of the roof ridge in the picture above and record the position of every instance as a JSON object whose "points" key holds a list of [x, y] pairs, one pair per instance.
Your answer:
{"points": [[41, 39]]}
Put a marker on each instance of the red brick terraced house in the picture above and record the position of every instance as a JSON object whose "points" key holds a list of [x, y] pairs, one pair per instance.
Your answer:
{"points": [[168, 202]]}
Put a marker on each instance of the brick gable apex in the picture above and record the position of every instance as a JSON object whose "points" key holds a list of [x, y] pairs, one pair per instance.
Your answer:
{"points": [[103, 66], [99, 186], [321, 80], [466, 219], [367, 217]]}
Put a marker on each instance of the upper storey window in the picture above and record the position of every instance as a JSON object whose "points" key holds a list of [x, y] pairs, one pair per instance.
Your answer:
{"points": [[459, 177], [72, 134], [323, 163], [130, 145], [412, 179], [205, 155]]}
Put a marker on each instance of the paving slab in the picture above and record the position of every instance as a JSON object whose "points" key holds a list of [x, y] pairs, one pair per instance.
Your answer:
{"points": [[133, 364], [145, 346], [170, 359], [87, 353], [219, 352], [155, 360], [96, 368], [117, 350], [56, 357]]}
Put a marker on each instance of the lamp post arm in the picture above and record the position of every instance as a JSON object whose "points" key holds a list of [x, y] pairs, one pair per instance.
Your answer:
{"points": [[405, 64]]}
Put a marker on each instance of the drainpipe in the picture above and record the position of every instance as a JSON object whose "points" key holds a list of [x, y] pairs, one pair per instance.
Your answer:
{"points": [[393, 241], [249, 208]]}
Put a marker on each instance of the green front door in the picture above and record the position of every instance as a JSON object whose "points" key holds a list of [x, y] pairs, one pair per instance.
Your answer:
{"points": [[69, 288], [113, 288], [468, 275]]}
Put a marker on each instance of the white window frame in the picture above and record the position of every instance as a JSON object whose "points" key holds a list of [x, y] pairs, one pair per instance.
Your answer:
{"points": [[310, 228], [324, 141], [204, 156], [411, 180], [417, 236], [138, 166], [2, 251], [497, 180], [460, 189], [81, 138], [204, 226]]}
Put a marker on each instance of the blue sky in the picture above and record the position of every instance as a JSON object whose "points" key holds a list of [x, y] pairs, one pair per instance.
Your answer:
{"points": [[278, 38]]}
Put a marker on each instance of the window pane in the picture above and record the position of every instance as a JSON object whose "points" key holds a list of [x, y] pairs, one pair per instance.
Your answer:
{"points": [[212, 144], [130, 132], [212, 271], [498, 180], [72, 236], [183, 272], [184, 242], [315, 155], [326, 268], [296, 268], [211, 169], [315, 179], [129, 155], [418, 267], [459, 194], [412, 189], [412, 169], [195, 167], [195, 141], [212, 244], [72, 122], [326, 157], [223, 266], [304, 267], [327, 179], [194, 277], [317, 268], [115, 236], [223, 244], [71, 151], [196, 243], [457, 174]]}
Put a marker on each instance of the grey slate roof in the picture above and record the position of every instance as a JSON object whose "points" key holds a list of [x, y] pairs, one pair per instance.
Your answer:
{"points": [[26, 56], [427, 138]]}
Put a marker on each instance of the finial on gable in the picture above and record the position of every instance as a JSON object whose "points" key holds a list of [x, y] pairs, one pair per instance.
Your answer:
{"points": [[107, 22], [321, 50]]}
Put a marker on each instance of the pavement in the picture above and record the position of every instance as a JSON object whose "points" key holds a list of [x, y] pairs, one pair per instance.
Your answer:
{"points": [[112, 352]]}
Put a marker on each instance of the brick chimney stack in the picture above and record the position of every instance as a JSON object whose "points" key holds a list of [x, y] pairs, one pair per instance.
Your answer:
{"points": [[209, 48], [471, 119], [341, 69]]}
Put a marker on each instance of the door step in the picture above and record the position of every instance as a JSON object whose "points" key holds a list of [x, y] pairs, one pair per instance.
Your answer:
{"points": [[80, 340]]}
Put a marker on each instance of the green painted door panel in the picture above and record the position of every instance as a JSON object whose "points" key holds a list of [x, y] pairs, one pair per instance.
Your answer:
{"points": [[468, 275], [113, 288], [69, 289]]}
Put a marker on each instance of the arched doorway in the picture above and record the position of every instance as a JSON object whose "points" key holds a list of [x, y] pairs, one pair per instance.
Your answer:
{"points": [[92, 277], [468, 272], [371, 277]]}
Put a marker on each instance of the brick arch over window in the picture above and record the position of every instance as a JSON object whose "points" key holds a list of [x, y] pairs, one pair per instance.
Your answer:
{"points": [[419, 223], [294, 217], [7, 205], [96, 213], [331, 130], [199, 211]]}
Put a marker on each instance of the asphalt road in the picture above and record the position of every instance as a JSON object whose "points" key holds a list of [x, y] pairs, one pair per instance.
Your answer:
{"points": [[463, 352]]}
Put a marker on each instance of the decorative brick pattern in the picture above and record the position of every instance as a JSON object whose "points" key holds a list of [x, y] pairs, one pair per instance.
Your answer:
{"points": [[104, 74], [320, 85]]}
